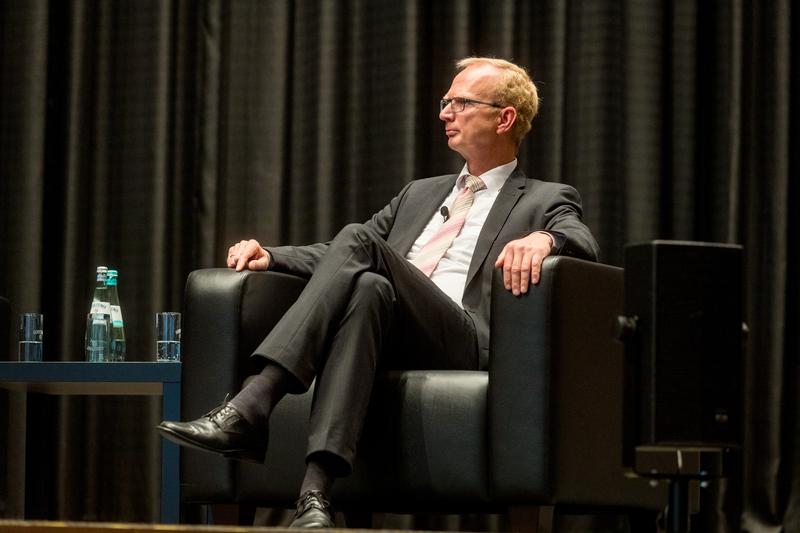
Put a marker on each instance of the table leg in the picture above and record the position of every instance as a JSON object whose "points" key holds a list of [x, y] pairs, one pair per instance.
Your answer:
{"points": [[170, 458], [18, 498]]}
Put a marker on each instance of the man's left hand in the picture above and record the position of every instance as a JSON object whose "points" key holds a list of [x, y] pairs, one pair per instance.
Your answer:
{"points": [[521, 261]]}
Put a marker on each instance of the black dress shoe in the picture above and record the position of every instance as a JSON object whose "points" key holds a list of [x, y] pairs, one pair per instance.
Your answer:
{"points": [[222, 430], [313, 512]]}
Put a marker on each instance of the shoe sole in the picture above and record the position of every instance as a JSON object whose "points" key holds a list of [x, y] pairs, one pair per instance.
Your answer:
{"points": [[253, 456]]}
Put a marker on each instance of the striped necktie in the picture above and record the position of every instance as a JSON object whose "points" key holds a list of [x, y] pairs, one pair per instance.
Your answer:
{"points": [[433, 251]]}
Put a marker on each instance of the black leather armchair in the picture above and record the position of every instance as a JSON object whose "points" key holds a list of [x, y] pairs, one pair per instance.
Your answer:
{"points": [[541, 427]]}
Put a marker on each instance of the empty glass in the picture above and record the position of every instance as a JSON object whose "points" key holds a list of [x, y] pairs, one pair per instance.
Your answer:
{"points": [[168, 336], [31, 334]]}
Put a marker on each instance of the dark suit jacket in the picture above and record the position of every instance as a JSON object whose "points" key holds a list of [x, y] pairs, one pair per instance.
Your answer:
{"points": [[523, 205]]}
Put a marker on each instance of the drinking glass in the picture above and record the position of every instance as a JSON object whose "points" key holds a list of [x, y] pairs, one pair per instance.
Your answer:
{"points": [[31, 333], [168, 336]]}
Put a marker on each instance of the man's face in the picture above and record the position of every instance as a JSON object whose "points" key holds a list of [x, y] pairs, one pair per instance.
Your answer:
{"points": [[473, 131]]}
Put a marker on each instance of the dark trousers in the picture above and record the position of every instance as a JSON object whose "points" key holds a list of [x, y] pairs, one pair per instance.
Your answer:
{"points": [[365, 307]]}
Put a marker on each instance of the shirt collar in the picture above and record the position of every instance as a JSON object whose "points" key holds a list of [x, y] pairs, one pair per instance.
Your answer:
{"points": [[493, 178]]}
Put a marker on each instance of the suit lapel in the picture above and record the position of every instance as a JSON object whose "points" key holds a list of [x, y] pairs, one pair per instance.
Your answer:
{"points": [[507, 198], [421, 204]]}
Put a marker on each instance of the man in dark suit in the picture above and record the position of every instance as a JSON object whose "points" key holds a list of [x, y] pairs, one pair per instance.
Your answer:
{"points": [[407, 289]]}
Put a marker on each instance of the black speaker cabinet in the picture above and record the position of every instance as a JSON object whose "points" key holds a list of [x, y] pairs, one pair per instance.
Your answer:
{"points": [[684, 360]]}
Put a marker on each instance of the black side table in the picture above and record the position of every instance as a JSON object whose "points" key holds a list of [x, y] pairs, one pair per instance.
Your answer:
{"points": [[123, 379]]}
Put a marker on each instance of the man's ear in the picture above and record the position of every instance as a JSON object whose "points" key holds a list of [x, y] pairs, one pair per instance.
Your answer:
{"points": [[506, 120]]}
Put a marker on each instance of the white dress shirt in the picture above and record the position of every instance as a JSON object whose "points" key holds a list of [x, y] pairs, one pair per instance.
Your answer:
{"points": [[451, 272]]}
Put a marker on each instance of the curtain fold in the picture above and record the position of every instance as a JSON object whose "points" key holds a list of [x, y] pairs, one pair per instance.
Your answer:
{"points": [[152, 135], [764, 224], [23, 105]]}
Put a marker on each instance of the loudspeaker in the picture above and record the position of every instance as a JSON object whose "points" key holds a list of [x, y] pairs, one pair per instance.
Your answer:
{"points": [[684, 351]]}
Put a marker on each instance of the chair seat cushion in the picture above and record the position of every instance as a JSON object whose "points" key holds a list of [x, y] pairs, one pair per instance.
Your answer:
{"points": [[425, 438]]}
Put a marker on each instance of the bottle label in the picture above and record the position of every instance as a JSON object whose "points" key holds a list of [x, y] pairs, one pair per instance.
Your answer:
{"points": [[101, 308], [116, 316]]}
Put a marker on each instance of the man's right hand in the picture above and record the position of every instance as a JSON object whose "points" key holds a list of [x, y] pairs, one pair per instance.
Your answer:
{"points": [[249, 255]]}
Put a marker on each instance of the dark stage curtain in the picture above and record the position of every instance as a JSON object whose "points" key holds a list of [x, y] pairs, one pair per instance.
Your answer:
{"points": [[150, 135]]}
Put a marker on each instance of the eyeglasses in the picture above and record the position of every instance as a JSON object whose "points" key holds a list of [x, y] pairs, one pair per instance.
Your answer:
{"points": [[458, 104]]}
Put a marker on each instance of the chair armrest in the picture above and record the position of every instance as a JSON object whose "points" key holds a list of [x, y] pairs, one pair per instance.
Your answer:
{"points": [[556, 388], [226, 315]]}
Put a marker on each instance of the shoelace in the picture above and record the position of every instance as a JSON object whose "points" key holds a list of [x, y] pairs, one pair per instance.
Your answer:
{"points": [[312, 498], [221, 411]]}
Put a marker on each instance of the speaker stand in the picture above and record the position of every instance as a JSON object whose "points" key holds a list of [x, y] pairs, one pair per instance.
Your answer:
{"points": [[680, 465]]}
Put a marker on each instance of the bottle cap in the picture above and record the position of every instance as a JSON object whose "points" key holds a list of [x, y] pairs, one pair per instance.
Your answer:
{"points": [[101, 269], [113, 273]]}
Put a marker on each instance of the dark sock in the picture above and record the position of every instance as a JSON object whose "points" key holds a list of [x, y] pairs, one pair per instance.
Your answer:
{"points": [[319, 474], [262, 393]]}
